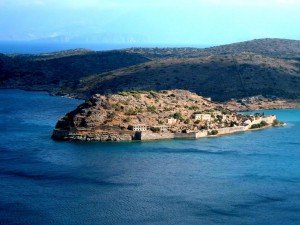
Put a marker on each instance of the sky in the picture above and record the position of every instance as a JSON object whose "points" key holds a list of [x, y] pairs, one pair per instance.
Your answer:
{"points": [[163, 22]]}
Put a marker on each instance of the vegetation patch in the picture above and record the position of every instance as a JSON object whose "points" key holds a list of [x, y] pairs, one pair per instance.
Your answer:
{"points": [[259, 125]]}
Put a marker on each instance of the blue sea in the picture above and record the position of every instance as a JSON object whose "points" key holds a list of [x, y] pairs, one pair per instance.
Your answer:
{"points": [[246, 178]]}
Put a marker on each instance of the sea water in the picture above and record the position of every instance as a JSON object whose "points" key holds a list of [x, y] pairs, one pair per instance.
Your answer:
{"points": [[245, 178]]}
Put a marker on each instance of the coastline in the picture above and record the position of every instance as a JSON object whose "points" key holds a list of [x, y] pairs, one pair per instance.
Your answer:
{"points": [[166, 136]]}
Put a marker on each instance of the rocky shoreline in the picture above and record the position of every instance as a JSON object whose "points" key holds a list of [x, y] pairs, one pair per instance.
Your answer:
{"points": [[172, 114]]}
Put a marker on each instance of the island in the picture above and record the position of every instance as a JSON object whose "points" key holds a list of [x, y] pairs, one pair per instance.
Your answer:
{"points": [[151, 115]]}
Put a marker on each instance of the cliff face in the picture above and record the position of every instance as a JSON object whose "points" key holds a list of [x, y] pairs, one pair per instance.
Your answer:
{"points": [[144, 115]]}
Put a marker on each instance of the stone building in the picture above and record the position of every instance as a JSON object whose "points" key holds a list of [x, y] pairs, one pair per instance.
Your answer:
{"points": [[138, 127]]}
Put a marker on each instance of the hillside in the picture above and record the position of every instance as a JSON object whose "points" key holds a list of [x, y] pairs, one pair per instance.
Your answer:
{"points": [[221, 77], [51, 71], [268, 67]]}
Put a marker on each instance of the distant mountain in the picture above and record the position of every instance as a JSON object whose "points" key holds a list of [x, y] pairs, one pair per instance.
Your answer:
{"points": [[279, 48], [269, 67], [108, 38]]}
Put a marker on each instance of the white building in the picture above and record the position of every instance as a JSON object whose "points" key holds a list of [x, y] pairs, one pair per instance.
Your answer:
{"points": [[203, 117]]}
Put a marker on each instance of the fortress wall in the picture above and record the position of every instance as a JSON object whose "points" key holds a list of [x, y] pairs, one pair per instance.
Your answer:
{"points": [[185, 135], [153, 136], [229, 130]]}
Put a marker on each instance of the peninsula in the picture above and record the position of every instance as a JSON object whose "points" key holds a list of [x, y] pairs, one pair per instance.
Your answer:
{"points": [[151, 115]]}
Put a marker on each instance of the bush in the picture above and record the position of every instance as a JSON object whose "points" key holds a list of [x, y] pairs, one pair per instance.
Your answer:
{"points": [[111, 115], [177, 116], [153, 94], [225, 111], [155, 129], [213, 132], [194, 107], [187, 121], [151, 109], [131, 112], [126, 120], [263, 123], [259, 125], [233, 123]]}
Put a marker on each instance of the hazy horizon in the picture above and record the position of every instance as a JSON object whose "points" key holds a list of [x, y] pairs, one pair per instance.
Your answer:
{"points": [[37, 47], [177, 23]]}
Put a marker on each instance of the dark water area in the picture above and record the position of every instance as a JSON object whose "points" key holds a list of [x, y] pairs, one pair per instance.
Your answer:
{"points": [[246, 178]]}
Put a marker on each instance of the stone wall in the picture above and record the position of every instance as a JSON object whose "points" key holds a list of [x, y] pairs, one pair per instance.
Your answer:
{"points": [[185, 135], [147, 135], [229, 130]]}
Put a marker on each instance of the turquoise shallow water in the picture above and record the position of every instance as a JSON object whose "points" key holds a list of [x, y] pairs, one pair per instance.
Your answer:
{"points": [[247, 178]]}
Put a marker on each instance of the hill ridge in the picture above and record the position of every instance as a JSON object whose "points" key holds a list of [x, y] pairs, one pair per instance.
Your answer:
{"points": [[221, 72]]}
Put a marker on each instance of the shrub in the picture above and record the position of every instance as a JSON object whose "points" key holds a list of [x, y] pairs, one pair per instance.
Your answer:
{"points": [[140, 110], [155, 129], [111, 115], [203, 127], [131, 112], [151, 109], [263, 123], [255, 126], [194, 107], [259, 125], [213, 132], [233, 123], [126, 120], [177, 116], [153, 94], [225, 111], [187, 121]]}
